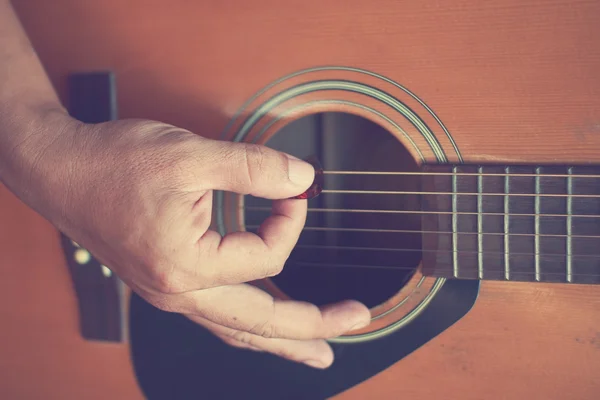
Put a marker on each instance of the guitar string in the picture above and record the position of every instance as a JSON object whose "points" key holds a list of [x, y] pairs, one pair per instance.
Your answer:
{"points": [[424, 173], [453, 174], [484, 174], [373, 230], [414, 212], [352, 248], [544, 257], [483, 194], [385, 267]]}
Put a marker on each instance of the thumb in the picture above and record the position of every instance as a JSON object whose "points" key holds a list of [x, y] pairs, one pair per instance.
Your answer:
{"points": [[257, 170]]}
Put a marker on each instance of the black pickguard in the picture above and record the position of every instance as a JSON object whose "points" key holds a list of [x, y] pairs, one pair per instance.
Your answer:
{"points": [[177, 359]]}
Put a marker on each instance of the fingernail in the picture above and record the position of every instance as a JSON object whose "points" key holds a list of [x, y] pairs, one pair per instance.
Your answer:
{"points": [[361, 324], [315, 364], [300, 172]]}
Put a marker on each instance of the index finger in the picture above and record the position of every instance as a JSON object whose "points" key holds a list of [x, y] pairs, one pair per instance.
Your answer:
{"points": [[248, 308], [245, 256]]}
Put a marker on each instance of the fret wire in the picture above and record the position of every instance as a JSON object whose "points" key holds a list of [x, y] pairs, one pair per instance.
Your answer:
{"points": [[366, 211], [538, 195], [333, 172], [480, 222], [569, 226], [400, 192], [506, 226], [454, 223], [373, 230], [537, 225]]}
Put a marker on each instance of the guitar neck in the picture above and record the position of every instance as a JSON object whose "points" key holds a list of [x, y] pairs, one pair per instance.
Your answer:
{"points": [[533, 223]]}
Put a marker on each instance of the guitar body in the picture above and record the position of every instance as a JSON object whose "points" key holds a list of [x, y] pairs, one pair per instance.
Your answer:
{"points": [[503, 82]]}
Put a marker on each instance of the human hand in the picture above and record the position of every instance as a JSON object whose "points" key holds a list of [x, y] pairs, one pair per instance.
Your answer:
{"points": [[138, 195]]}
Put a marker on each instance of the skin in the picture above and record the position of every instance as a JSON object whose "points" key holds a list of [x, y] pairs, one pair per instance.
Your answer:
{"points": [[138, 195]]}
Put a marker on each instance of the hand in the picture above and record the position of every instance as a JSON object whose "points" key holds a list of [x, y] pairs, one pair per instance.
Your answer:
{"points": [[138, 196]]}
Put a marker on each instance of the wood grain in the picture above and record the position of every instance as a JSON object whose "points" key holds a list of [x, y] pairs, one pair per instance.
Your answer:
{"points": [[42, 353], [513, 81], [519, 341]]}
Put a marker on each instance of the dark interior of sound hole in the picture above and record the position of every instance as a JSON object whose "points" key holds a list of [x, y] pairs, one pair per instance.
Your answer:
{"points": [[335, 262]]}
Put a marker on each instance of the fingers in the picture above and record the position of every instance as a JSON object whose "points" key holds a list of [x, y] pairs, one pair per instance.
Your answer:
{"points": [[240, 256], [249, 309], [210, 260], [244, 256], [237, 257], [315, 353], [257, 170]]}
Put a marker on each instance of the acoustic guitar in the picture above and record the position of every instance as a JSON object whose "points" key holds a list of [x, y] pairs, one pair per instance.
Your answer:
{"points": [[460, 146]]}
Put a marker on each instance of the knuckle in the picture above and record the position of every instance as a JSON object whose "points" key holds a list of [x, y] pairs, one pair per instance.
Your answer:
{"points": [[165, 284], [164, 266], [254, 159], [166, 279], [264, 329], [238, 344], [244, 163], [232, 342], [245, 338], [273, 268], [264, 165]]}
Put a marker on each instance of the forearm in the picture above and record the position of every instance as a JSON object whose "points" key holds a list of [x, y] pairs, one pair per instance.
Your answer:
{"points": [[29, 106]]}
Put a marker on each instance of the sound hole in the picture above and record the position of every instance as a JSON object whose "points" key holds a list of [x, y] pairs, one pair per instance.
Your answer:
{"points": [[351, 247]]}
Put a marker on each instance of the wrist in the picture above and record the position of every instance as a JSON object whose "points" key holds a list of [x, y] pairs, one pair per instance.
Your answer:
{"points": [[30, 156]]}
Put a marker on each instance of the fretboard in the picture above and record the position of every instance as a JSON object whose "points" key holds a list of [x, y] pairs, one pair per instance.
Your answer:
{"points": [[515, 223]]}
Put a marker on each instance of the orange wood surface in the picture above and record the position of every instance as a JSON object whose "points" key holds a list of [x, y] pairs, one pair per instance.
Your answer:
{"points": [[513, 81]]}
